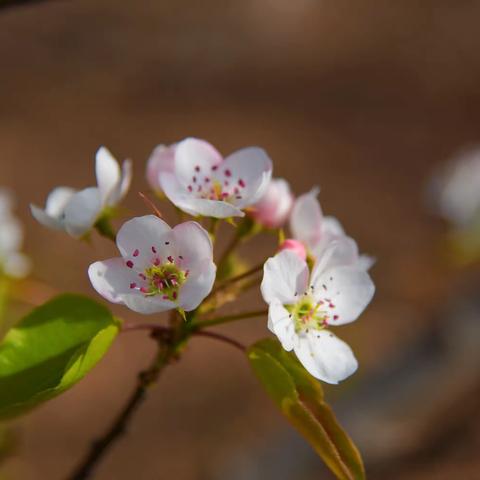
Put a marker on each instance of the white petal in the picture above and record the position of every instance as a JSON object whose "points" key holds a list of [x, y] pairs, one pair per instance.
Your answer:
{"points": [[325, 356], [111, 279], [11, 236], [366, 262], [191, 153], [126, 179], [280, 323], [161, 160], [17, 265], [332, 227], [108, 173], [82, 211], [195, 206], [254, 167], [345, 291], [198, 285], [284, 276], [142, 233], [306, 219], [340, 252], [57, 200], [192, 242], [6, 202], [53, 214]]}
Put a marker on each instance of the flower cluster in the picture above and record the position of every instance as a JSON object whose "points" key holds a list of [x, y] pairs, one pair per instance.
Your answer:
{"points": [[315, 280]]}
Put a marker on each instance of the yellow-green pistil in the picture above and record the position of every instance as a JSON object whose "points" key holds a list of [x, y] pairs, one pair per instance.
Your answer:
{"points": [[307, 314]]}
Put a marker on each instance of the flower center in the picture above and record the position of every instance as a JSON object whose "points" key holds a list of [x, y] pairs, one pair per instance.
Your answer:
{"points": [[219, 183], [308, 314]]}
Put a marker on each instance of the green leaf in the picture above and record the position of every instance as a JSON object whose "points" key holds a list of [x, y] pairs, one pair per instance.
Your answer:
{"points": [[51, 349], [300, 398]]}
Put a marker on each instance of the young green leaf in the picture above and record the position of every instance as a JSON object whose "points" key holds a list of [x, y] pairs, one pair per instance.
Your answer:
{"points": [[300, 398], [51, 349]]}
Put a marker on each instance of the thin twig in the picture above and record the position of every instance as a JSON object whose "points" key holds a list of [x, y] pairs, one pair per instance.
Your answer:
{"points": [[232, 280], [118, 427], [221, 338], [228, 318]]}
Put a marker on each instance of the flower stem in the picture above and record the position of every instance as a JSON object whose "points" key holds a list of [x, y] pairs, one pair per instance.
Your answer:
{"points": [[222, 338], [196, 326], [105, 229], [237, 278], [168, 347]]}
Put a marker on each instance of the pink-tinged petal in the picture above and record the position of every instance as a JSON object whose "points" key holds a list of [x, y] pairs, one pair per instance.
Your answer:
{"points": [[194, 157], [192, 244], [140, 238], [198, 285], [284, 277], [112, 279], [281, 324], [82, 211], [251, 169], [273, 208], [306, 219], [161, 160], [345, 291], [294, 246], [108, 173], [325, 356]]}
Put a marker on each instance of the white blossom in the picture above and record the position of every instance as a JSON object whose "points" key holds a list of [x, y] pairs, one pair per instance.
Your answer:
{"points": [[204, 183], [76, 212], [161, 268], [303, 306]]}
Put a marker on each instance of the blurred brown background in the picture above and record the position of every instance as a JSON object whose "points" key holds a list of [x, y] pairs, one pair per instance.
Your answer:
{"points": [[361, 98]]}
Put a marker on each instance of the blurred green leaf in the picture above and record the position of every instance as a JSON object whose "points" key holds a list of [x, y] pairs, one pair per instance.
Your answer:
{"points": [[51, 349], [300, 398]]}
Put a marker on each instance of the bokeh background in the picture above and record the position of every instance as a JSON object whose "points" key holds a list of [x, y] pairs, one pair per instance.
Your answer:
{"points": [[361, 98]]}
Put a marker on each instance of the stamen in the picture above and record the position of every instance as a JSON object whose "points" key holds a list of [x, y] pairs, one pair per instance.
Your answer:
{"points": [[241, 183], [129, 264], [136, 252], [133, 285], [154, 250], [197, 168], [228, 173]]}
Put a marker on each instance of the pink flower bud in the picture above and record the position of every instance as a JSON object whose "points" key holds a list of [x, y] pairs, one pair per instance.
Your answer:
{"points": [[273, 208], [295, 246]]}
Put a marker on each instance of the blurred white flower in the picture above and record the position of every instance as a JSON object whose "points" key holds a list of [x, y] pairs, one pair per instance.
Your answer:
{"points": [[203, 183], [455, 190], [316, 232], [76, 212], [161, 268], [12, 262], [273, 208], [303, 306]]}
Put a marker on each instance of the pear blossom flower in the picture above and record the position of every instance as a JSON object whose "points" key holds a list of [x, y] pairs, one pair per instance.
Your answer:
{"points": [[76, 212], [316, 231], [161, 268], [455, 191], [13, 263], [273, 208], [161, 160], [303, 306], [204, 183]]}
